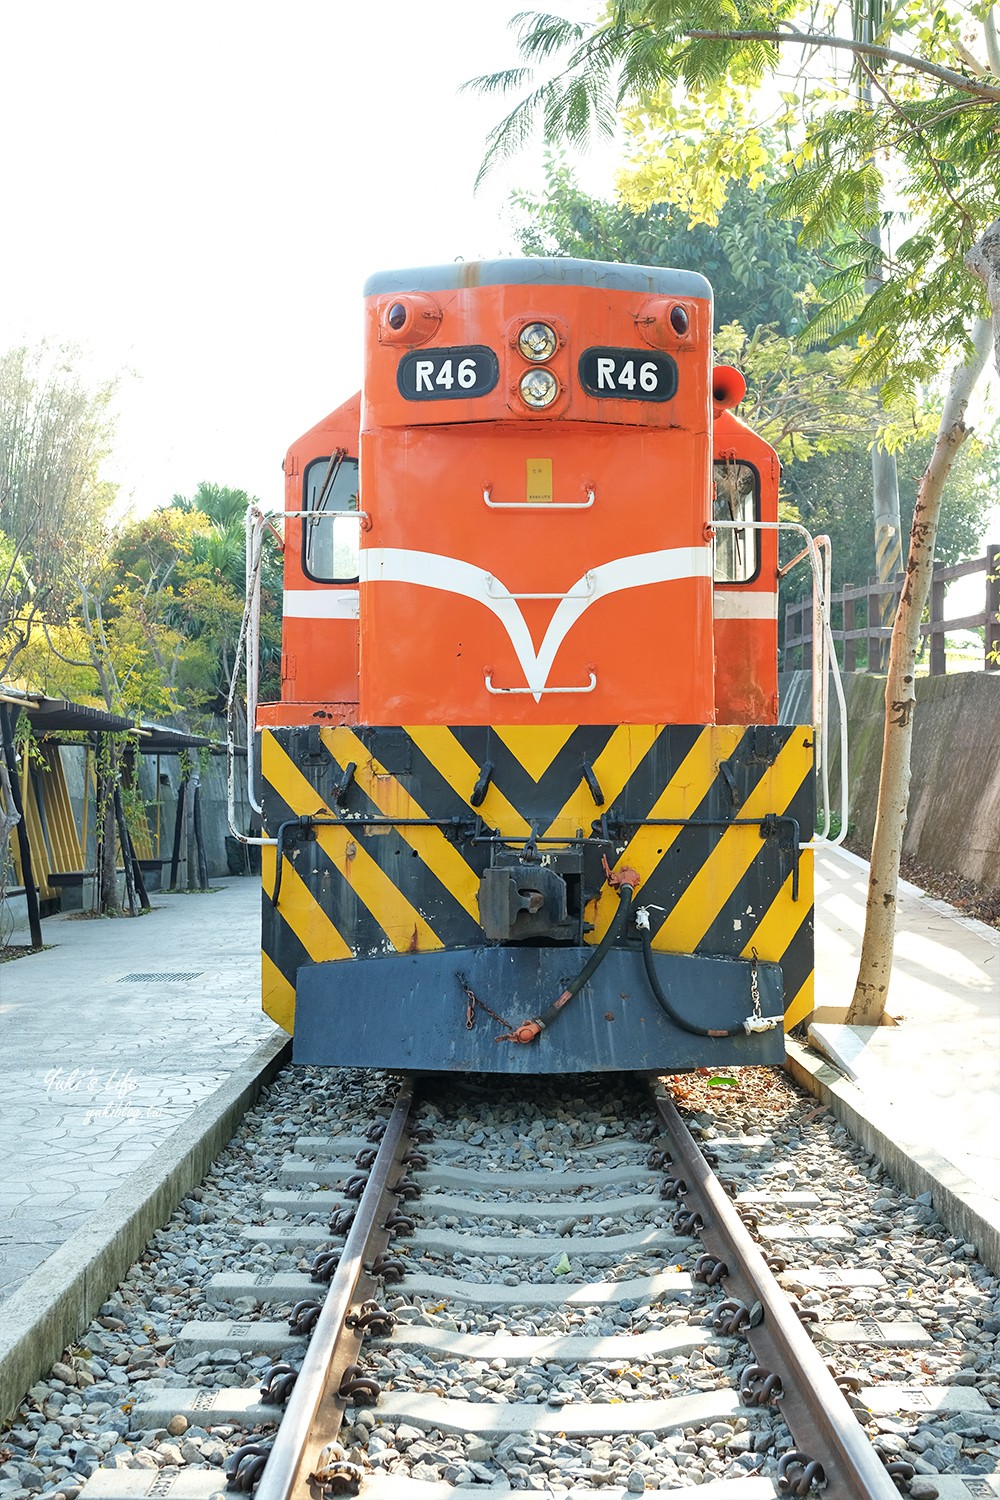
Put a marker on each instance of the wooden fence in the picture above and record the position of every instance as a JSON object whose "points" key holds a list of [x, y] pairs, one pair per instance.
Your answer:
{"points": [[856, 615]]}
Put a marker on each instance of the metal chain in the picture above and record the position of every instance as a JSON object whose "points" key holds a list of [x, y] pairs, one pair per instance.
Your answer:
{"points": [[757, 1022], [474, 1001], [754, 990]]}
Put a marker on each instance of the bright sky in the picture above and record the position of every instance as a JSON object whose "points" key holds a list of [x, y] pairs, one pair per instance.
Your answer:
{"points": [[196, 194]]}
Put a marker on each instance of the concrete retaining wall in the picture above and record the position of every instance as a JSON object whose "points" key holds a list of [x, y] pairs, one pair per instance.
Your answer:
{"points": [[954, 816]]}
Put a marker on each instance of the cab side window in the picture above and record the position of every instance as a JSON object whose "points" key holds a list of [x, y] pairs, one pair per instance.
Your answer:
{"points": [[737, 498], [331, 529]]}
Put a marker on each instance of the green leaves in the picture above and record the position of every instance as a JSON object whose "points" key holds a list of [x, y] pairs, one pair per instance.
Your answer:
{"points": [[887, 134]]}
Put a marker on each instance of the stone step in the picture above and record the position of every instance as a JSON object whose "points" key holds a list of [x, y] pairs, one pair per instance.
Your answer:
{"points": [[569, 1349], [829, 1278], [246, 1334], [546, 1179], [451, 1241], [511, 1211], [803, 1233], [239, 1404], [786, 1199], [735, 1143], [150, 1484], [292, 1286], [396, 1487], [891, 1335], [888, 1399], [209, 1484], [576, 1419]]}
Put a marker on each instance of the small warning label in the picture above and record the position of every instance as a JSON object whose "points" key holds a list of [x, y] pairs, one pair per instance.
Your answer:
{"points": [[539, 486]]}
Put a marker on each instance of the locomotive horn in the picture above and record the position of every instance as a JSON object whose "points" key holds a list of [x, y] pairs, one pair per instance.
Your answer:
{"points": [[728, 387]]}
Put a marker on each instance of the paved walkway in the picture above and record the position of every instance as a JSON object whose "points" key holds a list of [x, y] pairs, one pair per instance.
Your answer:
{"points": [[935, 1075], [108, 1042], [115, 1036]]}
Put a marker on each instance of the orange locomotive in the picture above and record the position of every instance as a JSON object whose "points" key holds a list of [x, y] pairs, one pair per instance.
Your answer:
{"points": [[532, 808]]}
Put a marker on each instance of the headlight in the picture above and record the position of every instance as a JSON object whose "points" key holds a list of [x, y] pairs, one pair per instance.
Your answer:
{"points": [[537, 341], [539, 388]]}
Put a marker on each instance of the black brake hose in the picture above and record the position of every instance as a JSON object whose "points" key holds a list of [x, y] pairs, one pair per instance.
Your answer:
{"points": [[529, 1030], [661, 997]]}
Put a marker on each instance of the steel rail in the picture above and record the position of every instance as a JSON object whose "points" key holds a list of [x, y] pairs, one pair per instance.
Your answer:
{"points": [[816, 1410], [315, 1408]]}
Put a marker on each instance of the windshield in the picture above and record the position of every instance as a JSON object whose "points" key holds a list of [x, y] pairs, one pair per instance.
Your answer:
{"points": [[331, 530]]}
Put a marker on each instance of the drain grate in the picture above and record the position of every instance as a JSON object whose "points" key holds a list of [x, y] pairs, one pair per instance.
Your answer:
{"points": [[158, 978]]}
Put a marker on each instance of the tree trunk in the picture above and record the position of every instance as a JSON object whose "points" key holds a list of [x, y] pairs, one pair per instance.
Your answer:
{"points": [[200, 841], [175, 858], [888, 553], [131, 894], [983, 260], [107, 879], [190, 842], [872, 986], [15, 819]]}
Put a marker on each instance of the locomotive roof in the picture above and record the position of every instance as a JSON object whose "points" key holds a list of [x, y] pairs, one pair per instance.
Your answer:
{"points": [[541, 271]]}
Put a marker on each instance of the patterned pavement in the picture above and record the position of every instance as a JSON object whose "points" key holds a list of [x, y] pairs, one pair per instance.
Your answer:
{"points": [[99, 1066]]}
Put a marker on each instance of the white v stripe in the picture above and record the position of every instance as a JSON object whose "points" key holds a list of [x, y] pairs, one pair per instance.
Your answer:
{"points": [[430, 570]]}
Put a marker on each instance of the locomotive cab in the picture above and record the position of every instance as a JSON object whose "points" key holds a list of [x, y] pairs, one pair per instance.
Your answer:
{"points": [[531, 810]]}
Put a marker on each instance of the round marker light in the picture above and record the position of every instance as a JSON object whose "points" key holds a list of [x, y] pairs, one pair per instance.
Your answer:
{"points": [[396, 316], [537, 341], [539, 388], [679, 319]]}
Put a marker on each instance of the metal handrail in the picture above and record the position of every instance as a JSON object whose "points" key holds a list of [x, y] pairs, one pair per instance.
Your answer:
{"points": [[824, 667]]}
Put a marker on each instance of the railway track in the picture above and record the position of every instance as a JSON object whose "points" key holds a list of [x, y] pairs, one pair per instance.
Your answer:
{"points": [[582, 1310]]}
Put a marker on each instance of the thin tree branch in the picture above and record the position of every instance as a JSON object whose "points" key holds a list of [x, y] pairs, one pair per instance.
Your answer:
{"points": [[992, 40], [69, 660], [960, 81], [920, 135], [972, 62]]}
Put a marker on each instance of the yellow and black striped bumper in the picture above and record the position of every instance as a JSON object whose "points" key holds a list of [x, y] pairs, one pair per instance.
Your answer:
{"points": [[384, 840]]}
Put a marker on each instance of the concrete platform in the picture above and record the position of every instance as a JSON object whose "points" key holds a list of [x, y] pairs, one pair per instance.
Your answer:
{"points": [[131, 1049], [924, 1092], [105, 1054]]}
